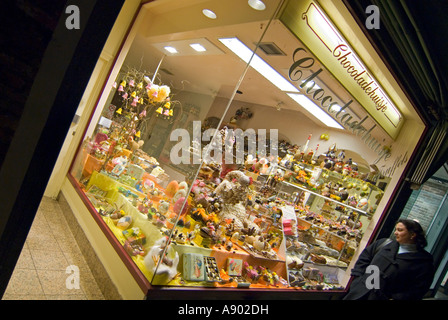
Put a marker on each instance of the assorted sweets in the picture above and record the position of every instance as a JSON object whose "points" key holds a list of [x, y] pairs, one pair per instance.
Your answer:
{"points": [[291, 222]]}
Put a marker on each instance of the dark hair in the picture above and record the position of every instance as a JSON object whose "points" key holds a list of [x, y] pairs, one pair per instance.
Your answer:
{"points": [[415, 227]]}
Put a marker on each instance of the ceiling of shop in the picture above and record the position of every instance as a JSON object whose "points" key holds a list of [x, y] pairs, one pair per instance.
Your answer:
{"points": [[217, 74]]}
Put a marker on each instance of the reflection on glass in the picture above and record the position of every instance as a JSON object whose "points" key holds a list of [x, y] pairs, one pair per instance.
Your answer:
{"points": [[199, 185]]}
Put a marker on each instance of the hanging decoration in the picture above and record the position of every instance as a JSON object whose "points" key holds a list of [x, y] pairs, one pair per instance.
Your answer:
{"points": [[136, 100], [141, 99], [139, 95]]}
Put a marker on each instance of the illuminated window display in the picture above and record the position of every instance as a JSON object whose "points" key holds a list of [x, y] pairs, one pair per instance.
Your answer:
{"points": [[234, 151]]}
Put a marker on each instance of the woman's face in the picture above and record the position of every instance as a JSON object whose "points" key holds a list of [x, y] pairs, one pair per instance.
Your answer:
{"points": [[402, 234]]}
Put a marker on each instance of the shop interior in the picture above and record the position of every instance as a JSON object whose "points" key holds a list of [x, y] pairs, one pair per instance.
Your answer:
{"points": [[294, 214]]}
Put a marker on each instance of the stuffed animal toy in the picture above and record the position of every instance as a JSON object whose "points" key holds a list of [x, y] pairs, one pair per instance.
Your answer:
{"points": [[232, 191], [163, 206], [199, 189], [234, 187], [181, 193], [164, 267], [250, 161], [134, 145]]}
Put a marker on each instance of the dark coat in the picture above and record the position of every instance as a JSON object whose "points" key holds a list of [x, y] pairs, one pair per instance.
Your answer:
{"points": [[405, 276]]}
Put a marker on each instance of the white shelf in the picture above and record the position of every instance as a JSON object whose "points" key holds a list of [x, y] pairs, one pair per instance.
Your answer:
{"points": [[324, 197]]}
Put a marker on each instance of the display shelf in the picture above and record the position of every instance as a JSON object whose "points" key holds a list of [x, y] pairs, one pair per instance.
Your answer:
{"points": [[326, 241], [321, 228], [325, 176], [141, 280], [326, 198], [325, 236], [316, 256], [108, 195], [281, 184], [125, 196]]}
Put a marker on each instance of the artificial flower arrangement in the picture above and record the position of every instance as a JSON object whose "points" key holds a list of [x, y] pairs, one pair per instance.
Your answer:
{"points": [[136, 100], [140, 95]]}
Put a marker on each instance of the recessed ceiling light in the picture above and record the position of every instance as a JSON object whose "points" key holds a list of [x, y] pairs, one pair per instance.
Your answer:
{"points": [[247, 55], [170, 49], [209, 13], [198, 47], [257, 4]]}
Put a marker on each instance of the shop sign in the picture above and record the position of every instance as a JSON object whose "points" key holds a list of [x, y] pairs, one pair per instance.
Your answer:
{"points": [[307, 21], [302, 62]]}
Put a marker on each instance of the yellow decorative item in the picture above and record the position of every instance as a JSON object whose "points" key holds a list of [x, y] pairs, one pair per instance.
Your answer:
{"points": [[163, 93], [170, 113], [172, 188], [137, 134], [140, 85], [133, 94], [123, 83], [153, 92], [159, 110], [167, 105], [119, 111], [140, 100]]}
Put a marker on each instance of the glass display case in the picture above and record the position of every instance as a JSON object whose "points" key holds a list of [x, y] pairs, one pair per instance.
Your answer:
{"points": [[197, 167], [328, 210]]}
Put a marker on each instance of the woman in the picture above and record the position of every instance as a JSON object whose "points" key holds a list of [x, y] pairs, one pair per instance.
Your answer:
{"points": [[405, 269]]}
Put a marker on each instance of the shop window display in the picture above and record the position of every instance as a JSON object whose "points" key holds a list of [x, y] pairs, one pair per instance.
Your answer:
{"points": [[291, 222], [288, 217]]}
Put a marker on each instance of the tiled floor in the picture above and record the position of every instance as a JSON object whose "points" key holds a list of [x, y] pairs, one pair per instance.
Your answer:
{"points": [[41, 271]]}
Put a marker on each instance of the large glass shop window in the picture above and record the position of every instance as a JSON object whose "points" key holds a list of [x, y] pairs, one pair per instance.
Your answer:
{"points": [[212, 173]]}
